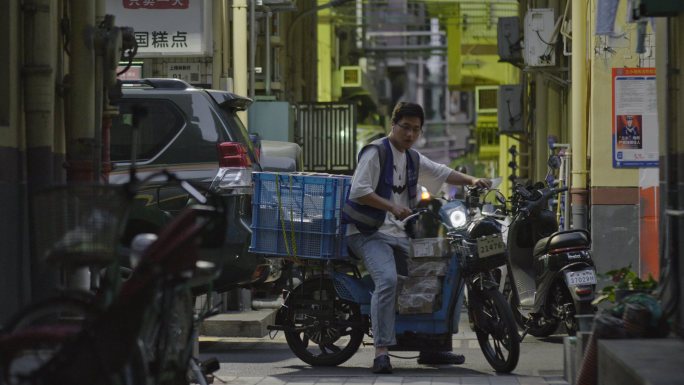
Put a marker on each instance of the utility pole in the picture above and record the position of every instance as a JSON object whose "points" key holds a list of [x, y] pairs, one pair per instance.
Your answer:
{"points": [[80, 134], [579, 116], [40, 31]]}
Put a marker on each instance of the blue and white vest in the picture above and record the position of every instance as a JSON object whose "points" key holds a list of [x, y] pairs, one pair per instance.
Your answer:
{"points": [[368, 219]]}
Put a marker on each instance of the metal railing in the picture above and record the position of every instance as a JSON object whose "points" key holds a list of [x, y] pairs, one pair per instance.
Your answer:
{"points": [[328, 136]]}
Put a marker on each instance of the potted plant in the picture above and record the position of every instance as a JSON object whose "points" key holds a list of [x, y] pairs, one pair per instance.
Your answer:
{"points": [[625, 282]]}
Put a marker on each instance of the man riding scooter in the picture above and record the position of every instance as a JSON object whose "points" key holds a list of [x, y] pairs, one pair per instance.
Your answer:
{"points": [[386, 181]]}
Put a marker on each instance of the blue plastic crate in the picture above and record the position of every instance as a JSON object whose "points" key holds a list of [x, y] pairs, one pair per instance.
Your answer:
{"points": [[308, 206]]}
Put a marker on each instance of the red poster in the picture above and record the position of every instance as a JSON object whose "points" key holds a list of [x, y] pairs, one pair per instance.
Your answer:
{"points": [[156, 4]]}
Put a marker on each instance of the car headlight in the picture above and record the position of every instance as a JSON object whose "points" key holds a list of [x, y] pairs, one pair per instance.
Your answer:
{"points": [[458, 217]]}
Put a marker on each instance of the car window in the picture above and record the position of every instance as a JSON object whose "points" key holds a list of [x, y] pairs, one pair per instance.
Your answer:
{"points": [[161, 124]]}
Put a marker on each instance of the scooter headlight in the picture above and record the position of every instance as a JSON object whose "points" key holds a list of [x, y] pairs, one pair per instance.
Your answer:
{"points": [[458, 217]]}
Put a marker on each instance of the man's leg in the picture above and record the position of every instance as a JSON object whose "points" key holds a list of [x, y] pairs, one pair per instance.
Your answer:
{"points": [[378, 256]]}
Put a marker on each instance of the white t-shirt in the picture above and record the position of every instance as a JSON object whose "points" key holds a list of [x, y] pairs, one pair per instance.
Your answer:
{"points": [[431, 176]]}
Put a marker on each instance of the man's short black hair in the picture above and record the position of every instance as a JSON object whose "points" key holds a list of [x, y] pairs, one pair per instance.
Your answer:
{"points": [[408, 110]]}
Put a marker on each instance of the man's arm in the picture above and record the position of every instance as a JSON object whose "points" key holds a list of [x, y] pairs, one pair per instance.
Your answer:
{"points": [[376, 201], [459, 179]]}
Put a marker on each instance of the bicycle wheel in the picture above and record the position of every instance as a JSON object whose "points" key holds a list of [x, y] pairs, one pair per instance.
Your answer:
{"points": [[63, 310], [166, 335], [71, 310], [497, 331], [325, 340]]}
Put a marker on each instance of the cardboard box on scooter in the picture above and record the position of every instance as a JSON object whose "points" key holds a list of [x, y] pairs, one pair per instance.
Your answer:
{"points": [[419, 285], [429, 248]]}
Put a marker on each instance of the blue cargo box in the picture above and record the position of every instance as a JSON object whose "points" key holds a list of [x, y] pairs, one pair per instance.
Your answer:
{"points": [[299, 214]]}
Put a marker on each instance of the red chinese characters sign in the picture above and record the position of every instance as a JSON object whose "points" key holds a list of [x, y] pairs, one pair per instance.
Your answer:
{"points": [[156, 4]]}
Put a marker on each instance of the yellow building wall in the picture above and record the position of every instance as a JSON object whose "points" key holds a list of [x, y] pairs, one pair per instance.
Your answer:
{"points": [[470, 30], [324, 46], [600, 146]]}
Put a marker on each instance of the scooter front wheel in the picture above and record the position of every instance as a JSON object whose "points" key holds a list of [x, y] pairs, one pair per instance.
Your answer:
{"points": [[497, 331], [326, 334]]}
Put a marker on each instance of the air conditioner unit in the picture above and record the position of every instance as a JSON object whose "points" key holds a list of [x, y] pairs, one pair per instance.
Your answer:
{"points": [[508, 39], [486, 99], [510, 116], [350, 76], [539, 50]]}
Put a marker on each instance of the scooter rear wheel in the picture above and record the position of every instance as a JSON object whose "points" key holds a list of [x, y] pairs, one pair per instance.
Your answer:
{"points": [[496, 330], [323, 342]]}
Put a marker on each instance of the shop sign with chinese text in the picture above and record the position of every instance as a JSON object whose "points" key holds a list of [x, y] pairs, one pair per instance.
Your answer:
{"points": [[188, 72], [166, 27], [635, 118]]}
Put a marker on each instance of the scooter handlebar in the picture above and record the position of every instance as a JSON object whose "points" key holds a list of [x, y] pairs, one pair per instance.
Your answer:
{"points": [[417, 212]]}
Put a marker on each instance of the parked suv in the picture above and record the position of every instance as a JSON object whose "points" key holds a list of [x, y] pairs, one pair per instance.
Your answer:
{"points": [[196, 134]]}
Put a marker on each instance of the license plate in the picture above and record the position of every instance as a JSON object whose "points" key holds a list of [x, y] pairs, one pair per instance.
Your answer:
{"points": [[490, 245], [583, 277]]}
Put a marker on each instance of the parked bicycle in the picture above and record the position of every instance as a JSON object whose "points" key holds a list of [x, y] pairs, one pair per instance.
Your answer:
{"points": [[135, 332]]}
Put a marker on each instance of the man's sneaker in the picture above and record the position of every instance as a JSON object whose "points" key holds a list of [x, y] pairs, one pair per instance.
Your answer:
{"points": [[440, 358], [381, 365]]}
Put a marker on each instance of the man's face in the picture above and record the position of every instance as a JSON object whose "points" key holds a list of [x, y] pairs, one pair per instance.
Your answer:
{"points": [[406, 131], [629, 122]]}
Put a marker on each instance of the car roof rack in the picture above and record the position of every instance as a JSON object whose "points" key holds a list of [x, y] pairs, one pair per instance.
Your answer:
{"points": [[160, 83]]}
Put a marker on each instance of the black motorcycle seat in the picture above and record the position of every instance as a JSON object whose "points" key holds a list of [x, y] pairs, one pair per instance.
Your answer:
{"points": [[561, 240]]}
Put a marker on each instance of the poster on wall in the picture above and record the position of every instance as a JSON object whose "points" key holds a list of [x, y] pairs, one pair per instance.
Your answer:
{"points": [[635, 118], [166, 27]]}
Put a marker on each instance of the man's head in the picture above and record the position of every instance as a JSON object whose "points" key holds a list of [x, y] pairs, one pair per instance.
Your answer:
{"points": [[407, 125], [630, 119]]}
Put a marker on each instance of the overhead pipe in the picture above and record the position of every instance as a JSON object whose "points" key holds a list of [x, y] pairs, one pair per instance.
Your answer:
{"points": [[240, 52], [579, 115], [400, 48], [39, 90], [38, 71], [267, 65], [334, 3], [217, 37], [252, 47], [225, 38], [100, 54], [80, 133]]}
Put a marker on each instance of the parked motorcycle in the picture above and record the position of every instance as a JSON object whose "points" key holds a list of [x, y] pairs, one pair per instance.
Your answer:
{"points": [[551, 274], [325, 317]]}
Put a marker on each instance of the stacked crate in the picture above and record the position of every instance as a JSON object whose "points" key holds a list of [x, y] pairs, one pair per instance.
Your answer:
{"points": [[421, 291]]}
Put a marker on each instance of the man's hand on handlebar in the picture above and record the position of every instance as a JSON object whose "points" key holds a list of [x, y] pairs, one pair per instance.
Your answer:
{"points": [[482, 183], [401, 212]]}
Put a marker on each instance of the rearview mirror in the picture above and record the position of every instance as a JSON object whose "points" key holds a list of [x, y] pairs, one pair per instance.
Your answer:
{"points": [[554, 162], [500, 197]]}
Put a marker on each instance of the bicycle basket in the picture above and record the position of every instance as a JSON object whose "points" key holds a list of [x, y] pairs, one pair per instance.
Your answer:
{"points": [[79, 225]]}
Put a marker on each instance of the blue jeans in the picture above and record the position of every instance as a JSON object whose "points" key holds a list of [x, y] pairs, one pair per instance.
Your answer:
{"points": [[384, 258]]}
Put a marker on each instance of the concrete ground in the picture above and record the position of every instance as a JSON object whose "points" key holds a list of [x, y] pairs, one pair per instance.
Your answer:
{"points": [[266, 361]]}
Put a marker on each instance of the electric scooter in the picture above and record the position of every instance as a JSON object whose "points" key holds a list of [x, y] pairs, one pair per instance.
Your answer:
{"points": [[326, 316], [551, 277]]}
